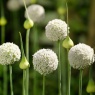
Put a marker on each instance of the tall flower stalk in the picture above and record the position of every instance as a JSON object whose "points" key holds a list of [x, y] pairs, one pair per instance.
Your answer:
{"points": [[80, 82], [43, 93], [3, 23], [30, 24], [81, 56], [11, 84], [59, 69], [24, 65], [69, 67], [45, 61], [27, 56]]}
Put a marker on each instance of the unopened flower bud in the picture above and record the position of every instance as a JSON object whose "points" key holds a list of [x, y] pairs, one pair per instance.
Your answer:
{"points": [[3, 21], [91, 86], [28, 24], [68, 43], [24, 64], [61, 10]]}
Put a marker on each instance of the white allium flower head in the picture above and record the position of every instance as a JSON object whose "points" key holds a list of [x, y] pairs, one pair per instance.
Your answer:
{"points": [[81, 56], [13, 5], [56, 30], [36, 12], [45, 61], [9, 53]]}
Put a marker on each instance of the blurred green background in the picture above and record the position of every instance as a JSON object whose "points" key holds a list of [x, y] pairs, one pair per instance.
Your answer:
{"points": [[81, 17]]}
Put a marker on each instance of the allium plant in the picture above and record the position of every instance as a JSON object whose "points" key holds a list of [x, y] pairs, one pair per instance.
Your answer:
{"points": [[36, 13], [56, 30], [45, 61], [81, 56], [9, 54]]}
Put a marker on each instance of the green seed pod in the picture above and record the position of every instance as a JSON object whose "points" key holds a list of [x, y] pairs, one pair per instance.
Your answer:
{"points": [[24, 64], [3, 21], [68, 43], [91, 86], [28, 24]]}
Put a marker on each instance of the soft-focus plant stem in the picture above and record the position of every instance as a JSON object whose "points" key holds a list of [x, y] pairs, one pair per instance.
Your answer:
{"points": [[27, 56], [91, 94], [24, 82], [35, 48], [69, 77], [2, 41], [80, 82], [59, 69], [43, 93], [11, 84]]}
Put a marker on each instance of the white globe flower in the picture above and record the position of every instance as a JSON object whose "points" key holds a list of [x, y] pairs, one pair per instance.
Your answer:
{"points": [[13, 5], [56, 30], [81, 56], [45, 61], [9, 53], [36, 12]]}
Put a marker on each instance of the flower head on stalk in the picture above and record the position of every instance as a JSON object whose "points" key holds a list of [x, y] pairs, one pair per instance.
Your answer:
{"points": [[81, 56], [45, 61], [56, 30], [9, 53], [36, 13]]}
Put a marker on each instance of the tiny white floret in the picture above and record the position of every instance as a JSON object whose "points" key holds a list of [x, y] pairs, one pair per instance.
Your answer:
{"points": [[45, 61], [81, 56]]}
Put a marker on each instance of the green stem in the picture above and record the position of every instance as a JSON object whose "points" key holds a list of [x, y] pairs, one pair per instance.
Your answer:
{"points": [[27, 56], [24, 81], [26, 9], [11, 84], [69, 78], [43, 93], [67, 18], [5, 80], [80, 82], [2, 41], [2, 34], [35, 39], [35, 48], [91, 94], [59, 69]]}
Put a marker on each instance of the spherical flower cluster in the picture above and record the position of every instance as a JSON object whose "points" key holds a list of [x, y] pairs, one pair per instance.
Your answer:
{"points": [[81, 56], [45, 61], [56, 30], [36, 13], [9, 53], [13, 5]]}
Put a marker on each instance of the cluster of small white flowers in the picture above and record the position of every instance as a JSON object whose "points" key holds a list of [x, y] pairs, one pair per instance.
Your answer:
{"points": [[56, 30], [13, 5], [81, 56], [9, 53], [36, 12], [45, 61]]}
